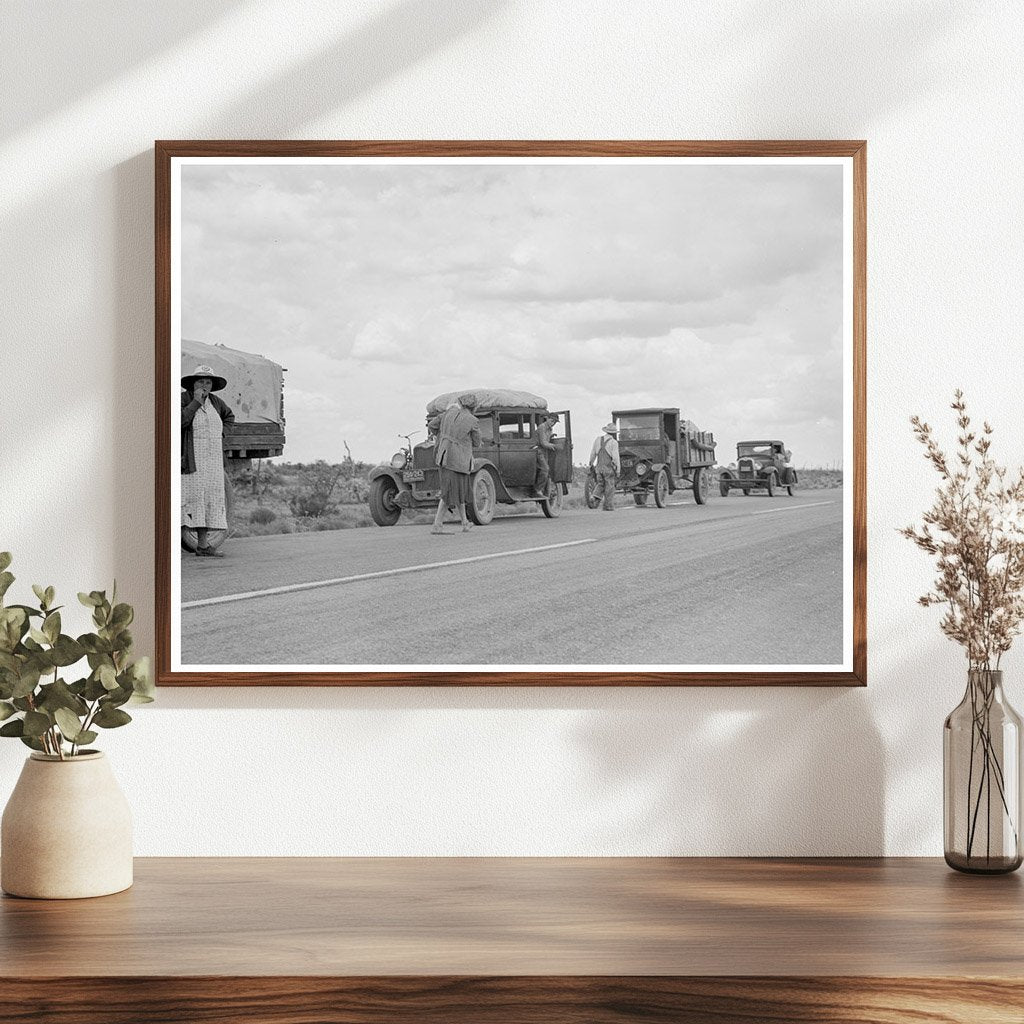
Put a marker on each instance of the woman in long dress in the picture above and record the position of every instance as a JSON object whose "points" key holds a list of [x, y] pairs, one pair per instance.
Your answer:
{"points": [[459, 433], [203, 415]]}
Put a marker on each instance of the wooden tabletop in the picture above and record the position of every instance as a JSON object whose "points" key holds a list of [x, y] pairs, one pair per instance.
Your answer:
{"points": [[505, 916], [503, 919]]}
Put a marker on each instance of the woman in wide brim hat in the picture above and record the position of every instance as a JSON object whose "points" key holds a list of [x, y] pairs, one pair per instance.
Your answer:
{"points": [[203, 415], [217, 383]]}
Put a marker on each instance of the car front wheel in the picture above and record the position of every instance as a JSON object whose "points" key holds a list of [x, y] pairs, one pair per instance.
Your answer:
{"points": [[771, 485], [382, 501], [482, 498], [661, 488]]}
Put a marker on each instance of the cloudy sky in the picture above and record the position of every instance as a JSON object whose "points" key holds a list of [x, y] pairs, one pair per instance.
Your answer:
{"points": [[714, 288]]}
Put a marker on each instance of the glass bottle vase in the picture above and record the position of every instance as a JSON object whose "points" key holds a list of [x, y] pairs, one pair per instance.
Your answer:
{"points": [[981, 774]]}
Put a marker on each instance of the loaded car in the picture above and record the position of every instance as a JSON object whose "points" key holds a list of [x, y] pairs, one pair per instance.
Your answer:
{"points": [[759, 466], [504, 464], [660, 453]]}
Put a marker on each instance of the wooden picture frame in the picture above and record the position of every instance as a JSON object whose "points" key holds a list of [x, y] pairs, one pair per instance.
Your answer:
{"points": [[172, 296]]}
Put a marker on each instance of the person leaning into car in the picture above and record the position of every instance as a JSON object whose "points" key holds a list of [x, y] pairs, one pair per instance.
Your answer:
{"points": [[604, 461], [542, 474]]}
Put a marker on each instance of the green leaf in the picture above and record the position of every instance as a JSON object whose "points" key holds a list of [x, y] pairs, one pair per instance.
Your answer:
{"points": [[94, 644], [27, 681], [107, 718], [38, 635], [13, 626], [115, 698], [6, 710], [66, 651], [22, 703], [28, 610], [31, 741], [50, 594], [13, 728], [69, 724], [5, 559], [6, 579], [51, 626], [89, 600], [122, 616], [9, 663], [40, 592], [94, 689], [36, 723], [59, 695], [86, 736], [142, 680], [107, 676]]}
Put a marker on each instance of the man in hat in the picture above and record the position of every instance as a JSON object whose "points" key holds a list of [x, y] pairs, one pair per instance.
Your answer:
{"points": [[604, 464], [545, 425], [203, 415]]}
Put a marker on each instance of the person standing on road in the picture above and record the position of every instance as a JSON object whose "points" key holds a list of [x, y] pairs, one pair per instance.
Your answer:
{"points": [[458, 434], [545, 425], [604, 463], [203, 416]]}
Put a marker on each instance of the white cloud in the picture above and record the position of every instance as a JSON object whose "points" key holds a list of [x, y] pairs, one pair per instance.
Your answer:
{"points": [[715, 289]]}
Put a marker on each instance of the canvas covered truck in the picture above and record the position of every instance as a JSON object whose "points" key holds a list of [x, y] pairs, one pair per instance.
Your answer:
{"points": [[255, 394], [504, 463], [660, 452]]}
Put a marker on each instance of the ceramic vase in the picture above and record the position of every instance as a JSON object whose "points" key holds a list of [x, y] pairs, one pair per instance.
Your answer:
{"points": [[66, 831]]}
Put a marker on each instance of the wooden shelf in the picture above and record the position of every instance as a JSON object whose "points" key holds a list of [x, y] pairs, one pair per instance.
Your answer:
{"points": [[503, 940]]}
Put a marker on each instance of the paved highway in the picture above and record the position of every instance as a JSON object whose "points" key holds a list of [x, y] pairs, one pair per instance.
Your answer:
{"points": [[753, 580]]}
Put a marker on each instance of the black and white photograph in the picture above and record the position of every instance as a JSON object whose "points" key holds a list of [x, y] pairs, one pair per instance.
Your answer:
{"points": [[497, 414]]}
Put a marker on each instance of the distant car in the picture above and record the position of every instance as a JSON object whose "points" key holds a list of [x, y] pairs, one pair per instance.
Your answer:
{"points": [[504, 465], [659, 453], [759, 466]]}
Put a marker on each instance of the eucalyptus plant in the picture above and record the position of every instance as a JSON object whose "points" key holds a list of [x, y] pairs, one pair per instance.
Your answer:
{"points": [[37, 704]]}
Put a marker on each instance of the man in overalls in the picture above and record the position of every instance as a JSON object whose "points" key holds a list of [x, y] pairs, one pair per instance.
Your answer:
{"points": [[545, 425], [604, 461]]}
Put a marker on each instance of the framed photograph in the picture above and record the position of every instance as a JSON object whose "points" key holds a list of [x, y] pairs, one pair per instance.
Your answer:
{"points": [[510, 413]]}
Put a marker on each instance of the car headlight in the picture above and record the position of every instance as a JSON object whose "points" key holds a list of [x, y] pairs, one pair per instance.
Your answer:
{"points": [[398, 460], [641, 468]]}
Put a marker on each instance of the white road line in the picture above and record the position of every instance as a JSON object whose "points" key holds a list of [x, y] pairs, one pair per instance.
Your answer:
{"points": [[790, 508], [293, 587]]}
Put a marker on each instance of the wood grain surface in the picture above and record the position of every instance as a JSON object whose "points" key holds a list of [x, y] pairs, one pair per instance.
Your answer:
{"points": [[523, 939], [165, 389]]}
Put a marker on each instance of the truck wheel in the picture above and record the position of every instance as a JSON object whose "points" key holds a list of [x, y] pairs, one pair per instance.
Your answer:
{"points": [[480, 507], [640, 497], [588, 493], [661, 488], [382, 501], [723, 488], [771, 485], [700, 486], [552, 506]]}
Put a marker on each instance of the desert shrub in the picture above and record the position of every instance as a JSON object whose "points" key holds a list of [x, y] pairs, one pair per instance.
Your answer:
{"points": [[262, 515]]}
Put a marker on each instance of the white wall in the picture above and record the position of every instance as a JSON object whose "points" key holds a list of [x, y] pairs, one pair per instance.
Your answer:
{"points": [[936, 88]]}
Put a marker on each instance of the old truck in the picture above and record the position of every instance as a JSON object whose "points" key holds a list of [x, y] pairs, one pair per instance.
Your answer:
{"points": [[759, 466], [660, 452], [504, 463], [255, 394]]}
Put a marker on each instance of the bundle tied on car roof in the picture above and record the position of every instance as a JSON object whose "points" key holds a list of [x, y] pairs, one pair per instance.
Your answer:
{"points": [[488, 398]]}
